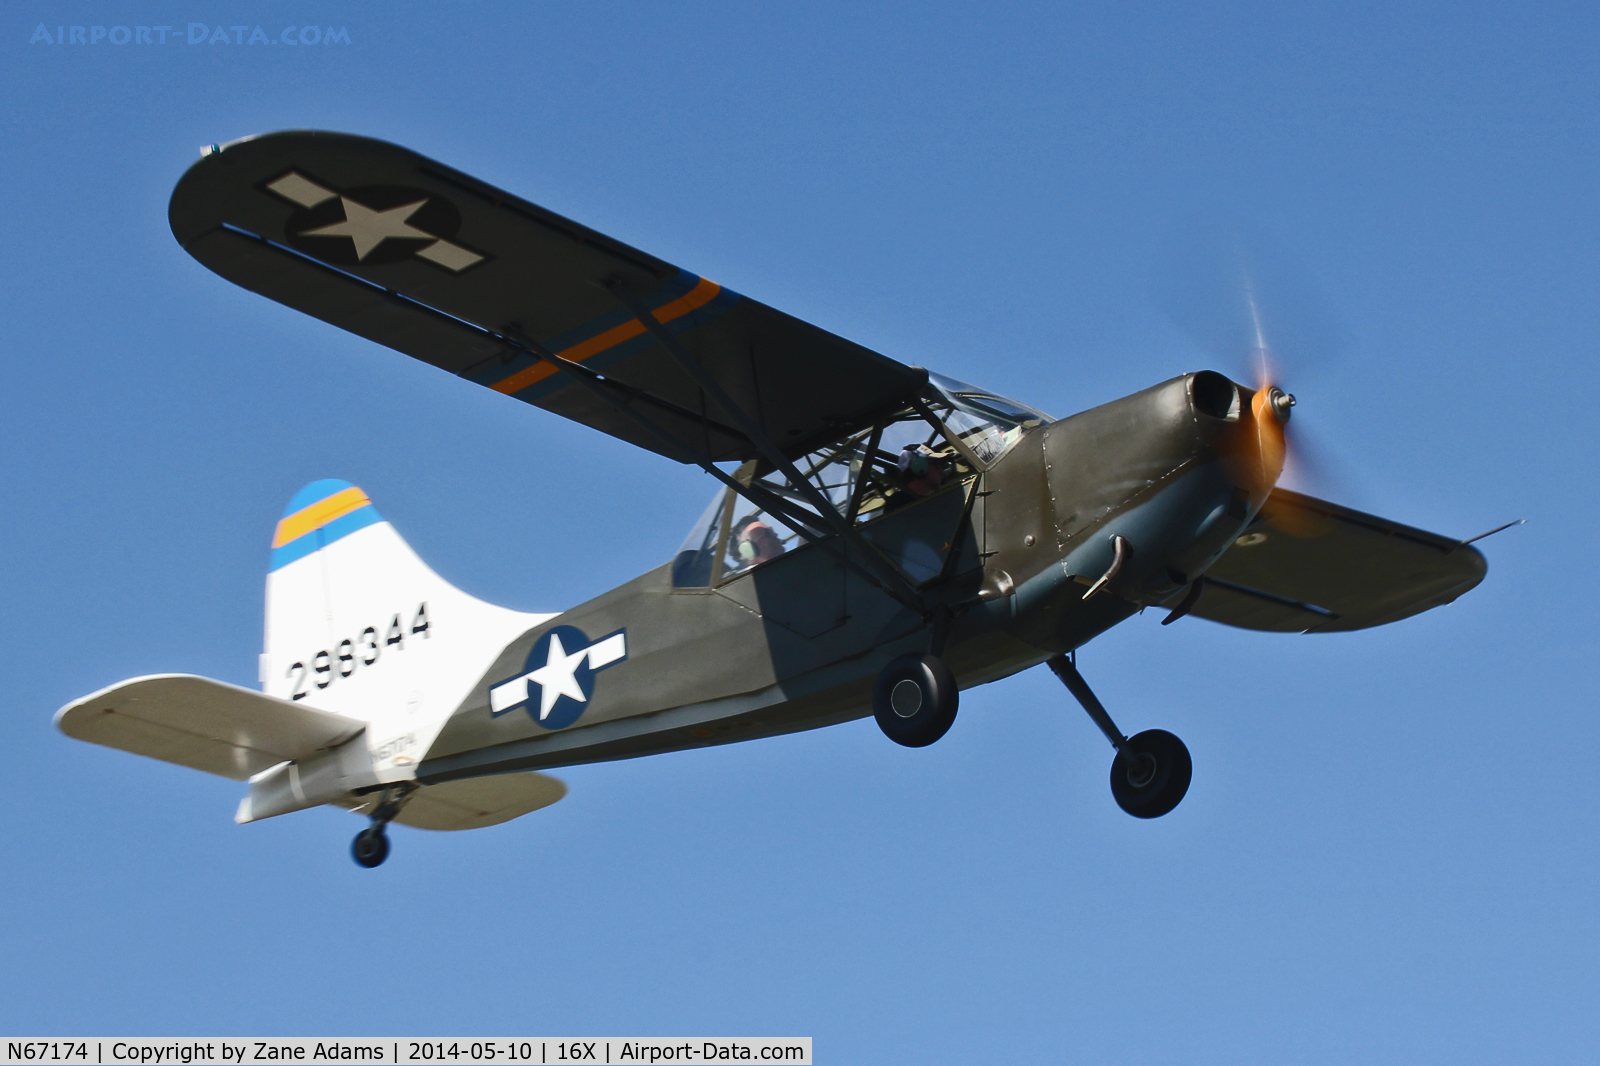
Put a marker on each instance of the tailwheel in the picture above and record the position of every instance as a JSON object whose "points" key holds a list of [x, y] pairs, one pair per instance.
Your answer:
{"points": [[370, 847], [1156, 778], [915, 700]]}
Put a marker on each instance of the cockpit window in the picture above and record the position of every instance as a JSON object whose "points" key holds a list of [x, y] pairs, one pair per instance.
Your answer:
{"points": [[761, 534], [756, 537], [911, 460], [862, 475]]}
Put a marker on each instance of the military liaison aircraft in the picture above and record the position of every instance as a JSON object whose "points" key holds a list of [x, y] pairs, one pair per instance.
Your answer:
{"points": [[881, 538]]}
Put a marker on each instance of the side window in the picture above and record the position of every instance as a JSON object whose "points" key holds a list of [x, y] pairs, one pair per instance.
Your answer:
{"points": [[913, 454], [755, 537], [912, 461], [691, 567]]}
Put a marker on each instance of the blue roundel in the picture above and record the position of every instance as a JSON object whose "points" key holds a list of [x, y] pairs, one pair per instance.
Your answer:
{"points": [[557, 678]]}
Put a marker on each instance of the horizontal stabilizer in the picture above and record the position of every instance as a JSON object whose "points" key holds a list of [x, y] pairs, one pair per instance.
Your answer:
{"points": [[1309, 566], [204, 724], [476, 802]]}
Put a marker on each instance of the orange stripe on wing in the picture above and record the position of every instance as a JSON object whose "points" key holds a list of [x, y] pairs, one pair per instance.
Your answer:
{"points": [[319, 514], [696, 298]]}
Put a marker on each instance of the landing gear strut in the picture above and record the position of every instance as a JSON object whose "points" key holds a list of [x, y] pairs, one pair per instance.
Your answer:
{"points": [[1151, 772], [371, 845]]}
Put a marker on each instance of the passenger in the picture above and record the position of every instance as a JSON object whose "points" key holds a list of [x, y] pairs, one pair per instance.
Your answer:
{"points": [[755, 543]]}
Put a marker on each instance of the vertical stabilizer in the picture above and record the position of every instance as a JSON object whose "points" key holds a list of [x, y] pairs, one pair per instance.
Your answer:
{"points": [[358, 625]]}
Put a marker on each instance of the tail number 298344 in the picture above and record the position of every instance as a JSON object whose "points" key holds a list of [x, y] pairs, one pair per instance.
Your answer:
{"points": [[363, 650]]}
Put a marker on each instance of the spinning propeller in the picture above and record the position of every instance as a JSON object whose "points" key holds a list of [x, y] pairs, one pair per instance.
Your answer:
{"points": [[1217, 288], [1271, 405]]}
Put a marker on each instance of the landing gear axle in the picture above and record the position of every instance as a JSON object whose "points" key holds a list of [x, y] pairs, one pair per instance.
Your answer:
{"points": [[1151, 772]]}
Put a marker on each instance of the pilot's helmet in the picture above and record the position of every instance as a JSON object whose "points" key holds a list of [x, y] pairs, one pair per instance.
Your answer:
{"points": [[744, 538], [913, 461]]}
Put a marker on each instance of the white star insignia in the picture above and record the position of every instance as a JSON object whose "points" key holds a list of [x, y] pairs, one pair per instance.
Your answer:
{"points": [[367, 228], [558, 676]]}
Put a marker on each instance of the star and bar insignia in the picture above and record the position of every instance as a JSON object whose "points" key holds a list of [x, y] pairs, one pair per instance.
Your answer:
{"points": [[373, 224]]}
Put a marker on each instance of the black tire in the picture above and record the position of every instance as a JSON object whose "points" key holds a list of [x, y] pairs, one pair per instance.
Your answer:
{"points": [[370, 847], [915, 700], [1160, 787]]}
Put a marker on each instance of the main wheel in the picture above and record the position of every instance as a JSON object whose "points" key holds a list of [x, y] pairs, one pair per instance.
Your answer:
{"points": [[1157, 781], [915, 700], [370, 847]]}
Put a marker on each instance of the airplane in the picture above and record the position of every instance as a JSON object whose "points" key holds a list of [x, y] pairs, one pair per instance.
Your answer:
{"points": [[881, 537]]}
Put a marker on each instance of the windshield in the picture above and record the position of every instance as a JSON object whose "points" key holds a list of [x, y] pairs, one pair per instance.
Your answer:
{"points": [[986, 423], [691, 567]]}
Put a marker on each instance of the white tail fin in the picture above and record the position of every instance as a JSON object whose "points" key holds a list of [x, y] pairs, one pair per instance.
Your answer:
{"points": [[358, 625]]}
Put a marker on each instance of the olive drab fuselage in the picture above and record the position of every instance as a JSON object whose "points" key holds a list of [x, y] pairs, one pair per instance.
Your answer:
{"points": [[797, 642]]}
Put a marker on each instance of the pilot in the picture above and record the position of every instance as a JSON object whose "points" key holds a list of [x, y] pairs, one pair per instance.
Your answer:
{"points": [[754, 542], [922, 469]]}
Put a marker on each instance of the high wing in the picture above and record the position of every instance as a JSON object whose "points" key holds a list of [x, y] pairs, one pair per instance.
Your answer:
{"points": [[204, 724], [402, 250], [1309, 566]]}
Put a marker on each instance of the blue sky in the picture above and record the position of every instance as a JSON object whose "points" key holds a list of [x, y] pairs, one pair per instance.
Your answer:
{"points": [[1388, 852]]}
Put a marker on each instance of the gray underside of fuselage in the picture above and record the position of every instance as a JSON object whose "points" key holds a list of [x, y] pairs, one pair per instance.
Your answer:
{"points": [[836, 693]]}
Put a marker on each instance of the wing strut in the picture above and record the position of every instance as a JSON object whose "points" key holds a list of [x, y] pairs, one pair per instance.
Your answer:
{"points": [[890, 578], [768, 501]]}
